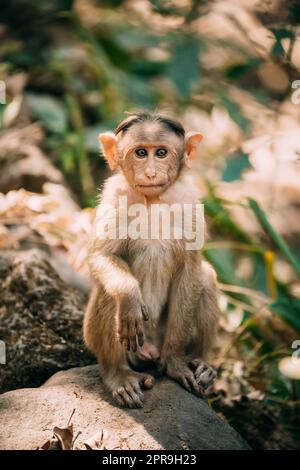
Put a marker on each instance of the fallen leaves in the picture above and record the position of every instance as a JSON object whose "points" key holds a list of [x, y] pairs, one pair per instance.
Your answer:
{"points": [[96, 442], [51, 219], [63, 439]]}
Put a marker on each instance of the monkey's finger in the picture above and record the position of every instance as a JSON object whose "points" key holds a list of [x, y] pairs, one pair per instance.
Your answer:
{"points": [[147, 381], [128, 401], [133, 345], [144, 312], [195, 387], [185, 383], [136, 398], [131, 333], [140, 333], [137, 389], [119, 399], [206, 378], [194, 364]]}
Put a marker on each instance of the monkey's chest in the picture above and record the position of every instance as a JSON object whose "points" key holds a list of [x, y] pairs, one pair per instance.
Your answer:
{"points": [[154, 264]]}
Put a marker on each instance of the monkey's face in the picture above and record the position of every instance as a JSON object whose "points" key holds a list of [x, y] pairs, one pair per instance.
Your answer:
{"points": [[150, 150], [150, 157]]}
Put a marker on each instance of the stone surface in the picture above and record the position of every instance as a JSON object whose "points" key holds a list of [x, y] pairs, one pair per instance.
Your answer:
{"points": [[40, 321], [170, 419]]}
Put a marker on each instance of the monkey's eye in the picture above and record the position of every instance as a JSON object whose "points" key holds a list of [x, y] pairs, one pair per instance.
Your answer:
{"points": [[141, 153], [161, 153]]}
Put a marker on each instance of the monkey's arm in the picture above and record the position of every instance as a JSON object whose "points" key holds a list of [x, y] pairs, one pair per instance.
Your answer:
{"points": [[107, 265], [108, 268]]}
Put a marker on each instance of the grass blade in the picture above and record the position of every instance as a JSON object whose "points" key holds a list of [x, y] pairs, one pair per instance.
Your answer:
{"points": [[276, 238]]}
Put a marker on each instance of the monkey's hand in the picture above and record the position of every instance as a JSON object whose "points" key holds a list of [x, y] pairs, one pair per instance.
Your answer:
{"points": [[131, 314]]}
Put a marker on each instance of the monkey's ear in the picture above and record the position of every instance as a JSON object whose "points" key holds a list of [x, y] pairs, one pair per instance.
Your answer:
{"points": [[108, 142], [192, 141]]}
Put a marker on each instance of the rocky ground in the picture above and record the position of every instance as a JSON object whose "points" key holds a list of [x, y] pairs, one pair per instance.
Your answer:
{"points": [[40, 321], [41, 325], [170, 419]]}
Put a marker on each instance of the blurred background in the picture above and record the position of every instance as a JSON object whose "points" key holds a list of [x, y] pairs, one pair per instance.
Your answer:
{"points": [[229, 69]]}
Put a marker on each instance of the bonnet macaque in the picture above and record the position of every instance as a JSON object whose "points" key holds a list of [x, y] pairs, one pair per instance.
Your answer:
{"points": [[153, 302]]}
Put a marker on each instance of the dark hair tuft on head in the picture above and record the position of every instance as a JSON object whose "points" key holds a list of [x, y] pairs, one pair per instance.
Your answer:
{"points": [[172, 125], [143, 116]]}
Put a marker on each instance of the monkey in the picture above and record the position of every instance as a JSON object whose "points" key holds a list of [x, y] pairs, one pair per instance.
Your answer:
{"points": [[153, 303]]}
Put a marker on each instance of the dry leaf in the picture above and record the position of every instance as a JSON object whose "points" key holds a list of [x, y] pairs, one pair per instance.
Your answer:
{"points": [[64, 436], [51, 444], [97, 441]]}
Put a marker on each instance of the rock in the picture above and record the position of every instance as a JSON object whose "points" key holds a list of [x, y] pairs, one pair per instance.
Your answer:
{"points": [[170, 419], [40, 321], [70, 276]]}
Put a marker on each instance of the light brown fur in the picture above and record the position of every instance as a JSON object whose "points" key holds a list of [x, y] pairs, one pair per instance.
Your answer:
{"points": [[152, 302]]}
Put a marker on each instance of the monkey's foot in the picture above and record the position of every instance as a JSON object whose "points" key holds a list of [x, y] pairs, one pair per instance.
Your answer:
{"points": [[204, 373], [127, 386], [178, 369], [195, 375]]}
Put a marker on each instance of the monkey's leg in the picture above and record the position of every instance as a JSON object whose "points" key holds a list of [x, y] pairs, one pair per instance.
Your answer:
{"points": [[191, 326], [100, 335]]}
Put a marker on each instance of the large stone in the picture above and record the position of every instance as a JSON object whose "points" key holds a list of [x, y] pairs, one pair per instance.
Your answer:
{"points": [[170, 419], [40, 321]]}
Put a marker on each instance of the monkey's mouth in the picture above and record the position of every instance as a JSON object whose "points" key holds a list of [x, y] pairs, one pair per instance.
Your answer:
{"points": [[150, 186]]}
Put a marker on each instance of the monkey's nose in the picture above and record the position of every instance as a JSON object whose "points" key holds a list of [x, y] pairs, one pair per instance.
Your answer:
{"points": [[150, 172]]}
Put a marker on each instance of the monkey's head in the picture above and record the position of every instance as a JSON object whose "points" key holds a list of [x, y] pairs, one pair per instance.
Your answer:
{"points": [[151, 150]]}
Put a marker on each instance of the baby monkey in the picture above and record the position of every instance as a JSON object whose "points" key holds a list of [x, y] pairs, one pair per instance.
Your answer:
{"points": [[153, 302]]}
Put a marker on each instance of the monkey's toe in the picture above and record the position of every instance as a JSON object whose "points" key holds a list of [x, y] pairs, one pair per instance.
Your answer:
{"points": [[128, 397], [148, 381], [204, 374], [129, 393], [179, 370]]}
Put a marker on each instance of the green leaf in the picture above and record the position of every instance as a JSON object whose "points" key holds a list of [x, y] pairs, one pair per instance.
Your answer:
{"points": [[223, 261], [289, 310], [139, 91], [184, 67], [282, 33], [238, 70], [277, 49], [279, 34], [234, 111], [258, 279], [274, 235], [235, 166], [166, 8], [50, 111], [133, 39], [90, 136], [221, 218]]}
